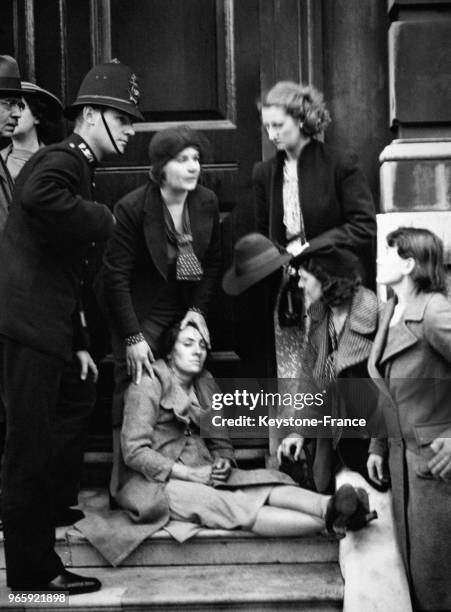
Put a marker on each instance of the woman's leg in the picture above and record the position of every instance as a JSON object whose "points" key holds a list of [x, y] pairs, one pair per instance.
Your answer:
{"points": [[299, 500], [280, 522]]}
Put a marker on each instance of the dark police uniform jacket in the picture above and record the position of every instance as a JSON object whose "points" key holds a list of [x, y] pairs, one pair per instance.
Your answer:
{"points": [[51, 226]]}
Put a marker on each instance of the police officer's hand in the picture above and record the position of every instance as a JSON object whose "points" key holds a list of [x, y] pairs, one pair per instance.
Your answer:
{"points": [[440, 464], [139, 356], [87, 364], [290, 447], [195, 318]]}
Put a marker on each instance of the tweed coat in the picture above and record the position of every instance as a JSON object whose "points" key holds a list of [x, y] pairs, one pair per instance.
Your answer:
{"points": [[411, 365], [50, 228], [135, 268], [356, 399]]}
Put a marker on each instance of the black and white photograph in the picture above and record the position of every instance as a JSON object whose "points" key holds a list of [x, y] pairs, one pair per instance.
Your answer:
{"points": [[225, 305]]}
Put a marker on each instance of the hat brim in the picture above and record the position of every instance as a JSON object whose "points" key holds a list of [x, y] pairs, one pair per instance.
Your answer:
{"points": [[11, 91], [54, 108], [234, 284], [70, 112]]}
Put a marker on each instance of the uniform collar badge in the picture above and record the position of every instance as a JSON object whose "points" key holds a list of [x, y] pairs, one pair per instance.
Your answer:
{"points": [[87, 152]]}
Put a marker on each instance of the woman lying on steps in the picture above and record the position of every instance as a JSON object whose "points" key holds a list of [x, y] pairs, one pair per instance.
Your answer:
{"points": [[168, 469]]}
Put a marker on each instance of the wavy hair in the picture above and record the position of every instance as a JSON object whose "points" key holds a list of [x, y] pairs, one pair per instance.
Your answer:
{"points": [[336, 290], [302, 102]]}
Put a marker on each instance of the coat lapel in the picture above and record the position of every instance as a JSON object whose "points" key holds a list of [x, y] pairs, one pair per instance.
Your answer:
{"points": [[356, 341], [276, 225], [401, 336], [201, 223], [154, 229], [318, 345], [6, 180], [379, 340]]}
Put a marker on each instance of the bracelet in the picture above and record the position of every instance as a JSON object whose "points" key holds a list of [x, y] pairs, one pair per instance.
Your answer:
{"points": [[196, 309], [134, 339]]}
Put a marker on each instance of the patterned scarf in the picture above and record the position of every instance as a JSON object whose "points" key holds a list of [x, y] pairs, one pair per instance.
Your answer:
{"points": [[188, 267]]}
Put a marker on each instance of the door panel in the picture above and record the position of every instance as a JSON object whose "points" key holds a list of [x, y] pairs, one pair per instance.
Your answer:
{"points": [[187, 56]]}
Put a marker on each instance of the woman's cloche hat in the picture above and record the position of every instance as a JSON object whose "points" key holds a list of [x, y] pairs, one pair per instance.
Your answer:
{"points": [[10, 83], [254, 257], [53, 105], [112, 85], [168, 143]]}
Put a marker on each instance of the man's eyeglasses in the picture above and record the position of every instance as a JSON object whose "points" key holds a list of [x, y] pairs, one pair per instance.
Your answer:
{"points": [[9, 103]]}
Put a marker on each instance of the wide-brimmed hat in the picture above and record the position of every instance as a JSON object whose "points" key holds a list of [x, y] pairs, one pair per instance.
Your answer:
{"points": [[113, 85], [10, 83], [54, 108], [335, 260], [254, 257]]}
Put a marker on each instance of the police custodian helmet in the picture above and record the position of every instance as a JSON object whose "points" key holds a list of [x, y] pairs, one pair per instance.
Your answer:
{"points": [[112, 85]]}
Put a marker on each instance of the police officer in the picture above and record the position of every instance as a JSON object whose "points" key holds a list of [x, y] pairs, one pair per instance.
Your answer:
{"points": [[52, 223]]}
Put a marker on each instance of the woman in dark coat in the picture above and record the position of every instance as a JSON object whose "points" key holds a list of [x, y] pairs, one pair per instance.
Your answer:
{"points": [[343, 320], [411, 364], [306, 191], [177, 461], [164, 258]]}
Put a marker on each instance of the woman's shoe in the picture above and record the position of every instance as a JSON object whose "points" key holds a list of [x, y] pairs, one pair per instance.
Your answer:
{"points": [[363, 515], [341, 507]]}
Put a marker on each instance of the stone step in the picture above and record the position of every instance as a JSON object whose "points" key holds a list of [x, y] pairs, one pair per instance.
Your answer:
{"points": [[291, 586], [208, 547]]}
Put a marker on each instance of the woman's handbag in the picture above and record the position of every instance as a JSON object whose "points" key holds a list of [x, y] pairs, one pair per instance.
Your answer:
{"points": [[291, 308], [301, 471]]}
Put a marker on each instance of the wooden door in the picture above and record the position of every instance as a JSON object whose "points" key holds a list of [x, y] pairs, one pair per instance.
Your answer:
{"points": [[198, 63]]}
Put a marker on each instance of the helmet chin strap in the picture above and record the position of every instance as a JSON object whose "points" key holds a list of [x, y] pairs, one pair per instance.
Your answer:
{"points": [[113, 142]]}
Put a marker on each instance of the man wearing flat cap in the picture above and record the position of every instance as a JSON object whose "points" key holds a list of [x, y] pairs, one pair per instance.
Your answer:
{"points": [[11, 106], [51, 226]]}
